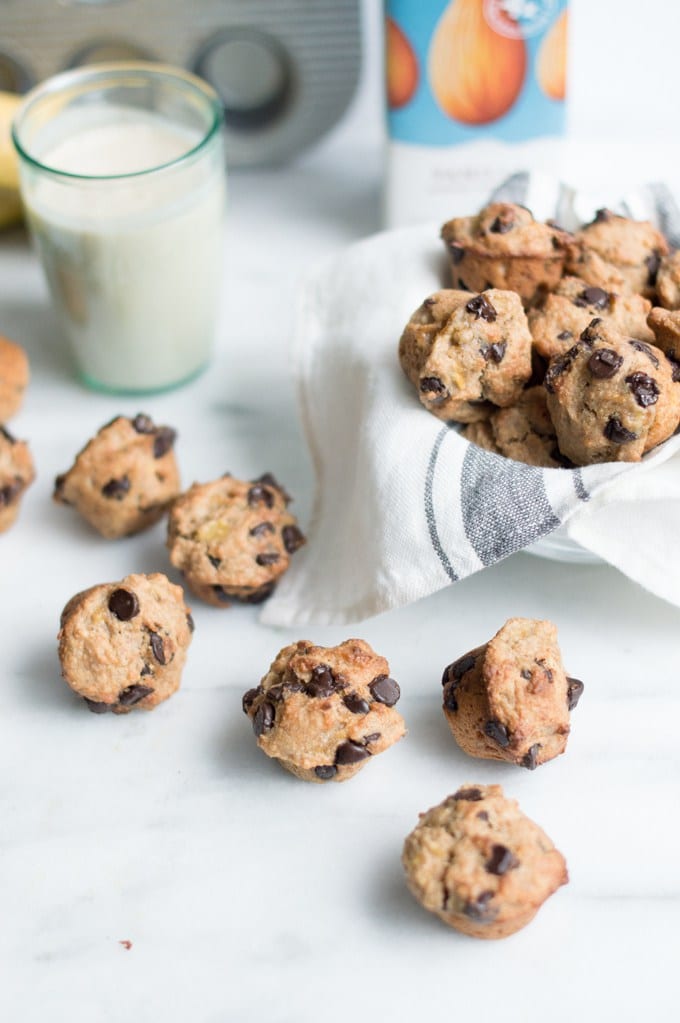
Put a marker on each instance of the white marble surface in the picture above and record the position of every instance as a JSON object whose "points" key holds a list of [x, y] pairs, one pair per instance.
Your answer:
{"points": [[247, 895]]}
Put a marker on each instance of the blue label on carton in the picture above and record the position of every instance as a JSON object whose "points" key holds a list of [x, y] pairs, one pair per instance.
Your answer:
{"points": [[461, 70]]}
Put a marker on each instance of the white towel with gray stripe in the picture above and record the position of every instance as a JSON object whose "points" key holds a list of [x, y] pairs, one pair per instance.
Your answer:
{"points": [[404, 504]]}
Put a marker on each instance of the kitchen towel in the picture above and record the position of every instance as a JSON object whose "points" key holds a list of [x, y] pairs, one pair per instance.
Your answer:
{"points": [[404, 504]]}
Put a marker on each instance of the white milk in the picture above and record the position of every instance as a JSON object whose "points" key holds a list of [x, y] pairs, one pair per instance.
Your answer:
{"points": [[134, 264]]}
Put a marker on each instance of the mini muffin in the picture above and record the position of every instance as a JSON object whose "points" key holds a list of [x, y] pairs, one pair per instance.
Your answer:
{"points": [[123, 646], [233, 539], [14, 375], [504, 247], [511, 698], [16, 475], [124, 478], [668, 281], [480, 864], [565, 314], [611, 398], [617, 254], [324, 712], [466, 354]]}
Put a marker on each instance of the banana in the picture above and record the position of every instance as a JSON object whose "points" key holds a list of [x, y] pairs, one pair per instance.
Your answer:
{"points": [[10, 201]]}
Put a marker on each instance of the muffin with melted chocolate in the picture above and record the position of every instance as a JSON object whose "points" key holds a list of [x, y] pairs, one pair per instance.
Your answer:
{"points": [[504, 247], [466, 354], [123, 645], [618, 254], [324, 712], [480, 864], [611, 398], [124, 478], [16, 475], [233, 539]]}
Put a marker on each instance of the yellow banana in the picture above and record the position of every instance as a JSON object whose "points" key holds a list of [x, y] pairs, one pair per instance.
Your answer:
{"points": [[10, 202]]}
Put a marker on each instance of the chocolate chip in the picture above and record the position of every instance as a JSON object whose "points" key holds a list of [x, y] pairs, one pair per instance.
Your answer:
{"points": [[8, 436], [450, 699], [221, 594], [434, 386], [215, 562], [574, 691], [495, 352], [276, 693], [123, 604], [559, 365], [191, 624], [472, 795], [604, 363], [355, 703], [133, 694], [540, 661], [653, 262], [498, 732], [429, 302], [267, 558], [462, 285], [525, 673], [10, 491], [59, 483], [249, 698], [259, 494], [530, 758], [502, 224], [325, 771], [97, 707], [157, 647], [321, 683], [146, 670], [143, 424], [293, 538], [641, 346], [644, 389], [262, 528], [163, 441], [596, 297], [482, 815], [601, 216], [373, 737], [590, 334], [270, 480], [116, 488], [263, 719], [457, 253], [479, 909], [385, 690], [455, 671], [500, 861], [350, 752], [565, 335], [258, 595], [617, 433], [481, 308]]}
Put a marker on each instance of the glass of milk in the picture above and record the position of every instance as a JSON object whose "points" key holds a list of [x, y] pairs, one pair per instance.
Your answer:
{"points": [[123, 181]]}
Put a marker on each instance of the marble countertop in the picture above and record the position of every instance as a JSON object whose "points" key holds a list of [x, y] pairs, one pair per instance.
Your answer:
{"points": [[244, 894]]}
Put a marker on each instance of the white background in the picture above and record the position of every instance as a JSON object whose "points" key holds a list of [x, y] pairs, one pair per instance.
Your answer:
{"points": [[247, 895]]}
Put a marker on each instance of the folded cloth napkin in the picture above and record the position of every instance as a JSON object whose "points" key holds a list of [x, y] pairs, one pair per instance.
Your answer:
{"points": [[404, 504]]}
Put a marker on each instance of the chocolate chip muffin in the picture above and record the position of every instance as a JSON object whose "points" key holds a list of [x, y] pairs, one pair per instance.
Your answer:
{"points": [[14, 374], [504, 247], [668, 281], [233, 539], [480, 864], [124, 478], [525, 431], [564, 315], [466, 354], [511, 699], [611, 398], [122, 646], [323, 712], [617, 254], [16, 475]]}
